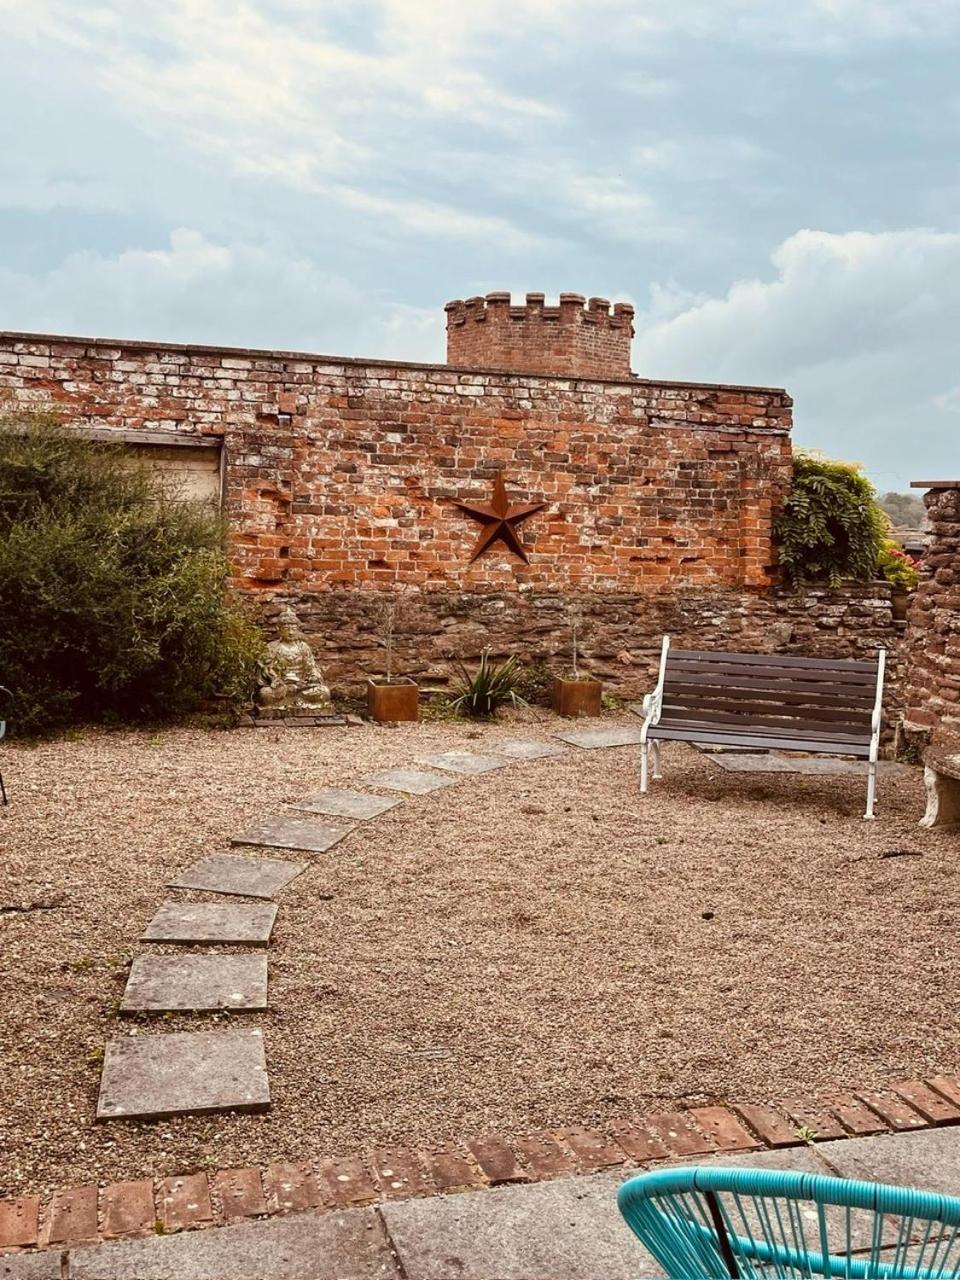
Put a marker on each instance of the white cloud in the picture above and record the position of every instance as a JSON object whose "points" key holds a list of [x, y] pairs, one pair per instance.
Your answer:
{"points": [[862, 328], [235, 294]]}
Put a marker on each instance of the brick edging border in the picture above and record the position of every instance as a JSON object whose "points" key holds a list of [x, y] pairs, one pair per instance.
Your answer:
{"points": [[87, 1214]]}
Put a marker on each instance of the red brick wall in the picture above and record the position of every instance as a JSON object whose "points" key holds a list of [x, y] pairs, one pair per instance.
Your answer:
{"points": [[571, 339], [339, 472]]}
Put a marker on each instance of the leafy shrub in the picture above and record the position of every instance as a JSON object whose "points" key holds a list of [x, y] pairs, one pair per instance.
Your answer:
{"points": [[113, 594], [490, 687], [831, 526], [897, 567]]}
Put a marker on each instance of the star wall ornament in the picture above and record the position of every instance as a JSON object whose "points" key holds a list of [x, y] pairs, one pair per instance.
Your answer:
{"points": [[500, 520]]}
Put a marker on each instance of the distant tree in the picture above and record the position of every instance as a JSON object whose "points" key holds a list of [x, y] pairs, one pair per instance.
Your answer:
{"points": [[113, 593], [906, 510]]}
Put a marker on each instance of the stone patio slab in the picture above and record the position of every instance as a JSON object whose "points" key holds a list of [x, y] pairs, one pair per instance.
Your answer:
{"points": [[187, 923], [929, 1159], [349, 1245], [243, 877], [812, 766], [340, 803], [195, 982], [303, 834], [185, 1072], [462, 762], [565, 1230], [593, 739], [415, 782], [527, 749]]}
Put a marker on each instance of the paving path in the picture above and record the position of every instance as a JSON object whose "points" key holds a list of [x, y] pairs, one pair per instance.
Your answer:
{"points": [[568, 1229]]}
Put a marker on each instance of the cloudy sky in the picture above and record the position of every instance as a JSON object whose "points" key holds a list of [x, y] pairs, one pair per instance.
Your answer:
{"points": [[774, 185]]}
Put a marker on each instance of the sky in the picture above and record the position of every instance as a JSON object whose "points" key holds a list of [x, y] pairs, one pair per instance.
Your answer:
{"points": [[775, 186]]}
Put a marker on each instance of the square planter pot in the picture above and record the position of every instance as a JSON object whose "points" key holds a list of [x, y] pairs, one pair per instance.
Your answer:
{"points": [[576, 698], [399, 700]]}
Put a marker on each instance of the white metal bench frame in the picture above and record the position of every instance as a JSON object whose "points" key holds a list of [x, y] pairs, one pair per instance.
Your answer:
{"points": [[652, 708]]}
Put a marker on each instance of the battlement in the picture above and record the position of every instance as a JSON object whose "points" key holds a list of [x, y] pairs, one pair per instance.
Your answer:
{"points": [[575, 338]]}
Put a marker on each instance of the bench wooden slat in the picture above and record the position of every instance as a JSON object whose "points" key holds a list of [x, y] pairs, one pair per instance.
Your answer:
{"points": [[776, 660], [768, 676], [856, 697], [766, 724], [677, 704], [777, 742], [837, 722]]}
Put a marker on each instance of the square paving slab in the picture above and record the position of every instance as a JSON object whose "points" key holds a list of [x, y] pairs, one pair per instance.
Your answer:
{"points": [[812, 766], [592, 739], [196, 982], [245, 877], [303, 834], [339, 803], [249, 923], [415, 782], [750, 763], [151, 1077], [522, 749], [462, 762]]}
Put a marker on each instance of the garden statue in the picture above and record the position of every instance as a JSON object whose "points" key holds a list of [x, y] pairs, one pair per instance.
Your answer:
{"points": [[291, 679]]}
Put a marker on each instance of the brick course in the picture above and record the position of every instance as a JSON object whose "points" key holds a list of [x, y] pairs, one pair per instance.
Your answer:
{"points": [[932, 684]]}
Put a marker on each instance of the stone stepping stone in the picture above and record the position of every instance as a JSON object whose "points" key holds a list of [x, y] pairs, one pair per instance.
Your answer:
{"points": [[153, 1077], [523, 749], [186, 923], [339, 803], [303, 834], [822, 766], [244, 877], [415, 782], [592, 739], [194, 983], [462, 762]]}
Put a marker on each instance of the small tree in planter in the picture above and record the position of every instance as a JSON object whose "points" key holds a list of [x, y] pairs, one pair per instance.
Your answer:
{"points": [[391, 697], [576, 695]]}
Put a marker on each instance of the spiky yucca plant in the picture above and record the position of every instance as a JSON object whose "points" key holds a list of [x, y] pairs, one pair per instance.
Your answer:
{"points": [[490, 687]]}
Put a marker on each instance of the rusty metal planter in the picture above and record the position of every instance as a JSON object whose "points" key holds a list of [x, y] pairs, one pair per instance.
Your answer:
{"points": [[576, 698], [399, 700]]}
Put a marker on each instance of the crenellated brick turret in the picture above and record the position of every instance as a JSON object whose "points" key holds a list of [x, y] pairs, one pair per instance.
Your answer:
{"points": [[576, 338]]}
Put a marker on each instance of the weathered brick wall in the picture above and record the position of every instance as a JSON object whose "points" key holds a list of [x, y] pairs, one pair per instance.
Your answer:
{"points": [[339, 472], [932, 682], [585, 341]]}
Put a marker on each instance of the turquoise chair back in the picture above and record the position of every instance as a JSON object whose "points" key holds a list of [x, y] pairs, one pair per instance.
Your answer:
{"points": [[722, 1223]]}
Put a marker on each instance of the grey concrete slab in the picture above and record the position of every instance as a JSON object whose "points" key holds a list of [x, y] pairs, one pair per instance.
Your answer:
{"points": [[32, 1266], [415, 782], [527, 749], [350, 1245], [462, 762], [339, 803], [195, 982], [151, 1077], [928, 1159], [570, 1229], [245, 877], [814, 766], [187, 923], [593, 739], [286, 832]]}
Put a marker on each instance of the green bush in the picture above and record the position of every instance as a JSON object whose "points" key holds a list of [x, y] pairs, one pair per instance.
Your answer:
{"points": [[113, 593], [830, 527], [490, 687]]}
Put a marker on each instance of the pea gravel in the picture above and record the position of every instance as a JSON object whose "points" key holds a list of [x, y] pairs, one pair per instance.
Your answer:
{"points": [[529, 948]]}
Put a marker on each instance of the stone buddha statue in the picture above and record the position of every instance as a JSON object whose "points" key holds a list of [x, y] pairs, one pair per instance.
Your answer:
{"points": [[291, 679]]}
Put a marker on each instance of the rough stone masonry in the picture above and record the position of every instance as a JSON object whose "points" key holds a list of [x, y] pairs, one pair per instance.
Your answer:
{"points": [[337, 475]]}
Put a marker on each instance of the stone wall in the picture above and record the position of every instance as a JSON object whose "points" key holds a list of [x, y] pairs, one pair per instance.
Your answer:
{"points": [[932, 684]]}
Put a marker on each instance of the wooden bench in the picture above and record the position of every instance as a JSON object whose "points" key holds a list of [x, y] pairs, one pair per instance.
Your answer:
{"points": [[823, 705]]}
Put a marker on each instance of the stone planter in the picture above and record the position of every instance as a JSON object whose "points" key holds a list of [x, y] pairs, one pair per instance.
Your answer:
{"points": [[900, 602], [398, 700], [576, 698]]}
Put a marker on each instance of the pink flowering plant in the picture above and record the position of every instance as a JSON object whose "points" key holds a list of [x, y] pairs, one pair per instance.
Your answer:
{"points": [[899, 568]]}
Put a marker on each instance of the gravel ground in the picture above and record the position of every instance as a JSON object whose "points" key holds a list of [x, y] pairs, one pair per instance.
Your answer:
{"points": [[529, 948]]}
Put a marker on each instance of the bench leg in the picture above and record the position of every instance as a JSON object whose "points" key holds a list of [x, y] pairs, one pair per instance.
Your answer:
{"points": [[871, 788], [643, 768], [657, 775]]}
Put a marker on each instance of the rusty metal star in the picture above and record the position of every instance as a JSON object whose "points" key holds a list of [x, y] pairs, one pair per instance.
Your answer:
{"points": [[500, 520]]}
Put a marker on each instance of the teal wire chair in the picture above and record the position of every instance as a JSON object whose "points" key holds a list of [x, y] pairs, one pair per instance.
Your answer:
{"points": [[724, 1223]]}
